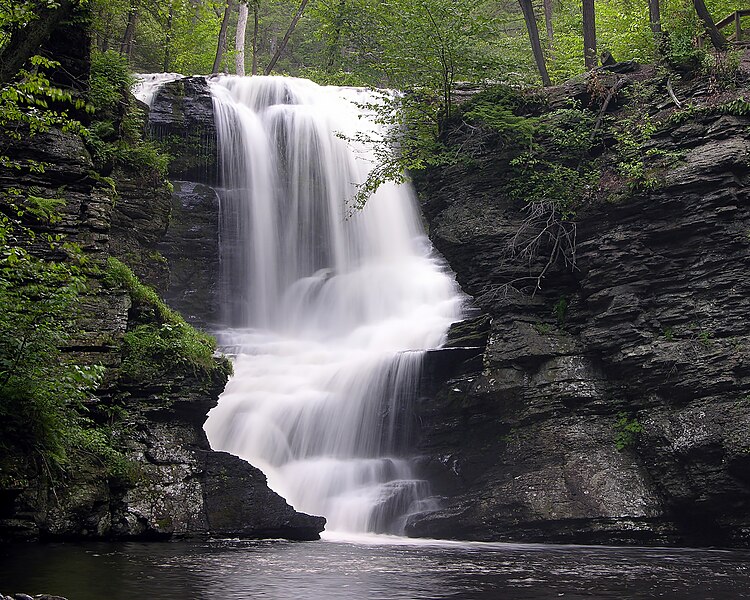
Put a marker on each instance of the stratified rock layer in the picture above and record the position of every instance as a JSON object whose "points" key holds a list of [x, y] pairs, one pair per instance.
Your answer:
{"points": [[175, 487], [649, 332]]}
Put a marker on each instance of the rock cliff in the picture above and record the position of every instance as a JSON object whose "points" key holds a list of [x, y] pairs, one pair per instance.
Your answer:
{"points": [[169, 484], [612, 404]]}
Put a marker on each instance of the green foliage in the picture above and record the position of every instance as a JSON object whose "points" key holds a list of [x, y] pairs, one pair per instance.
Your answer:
{"points": [[639, 165], [164, 342], [495, 109], [339, 78], [116, 133], [627, 430], [101, 443], [561, 310], [556, 167], [30, 106], [109, 82], [41, 396], [682, 27], [410, 143], [739, 107], [150, 351]]}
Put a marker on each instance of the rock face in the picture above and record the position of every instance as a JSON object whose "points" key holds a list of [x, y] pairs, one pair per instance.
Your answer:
{"points": [[182, 117], [190, 248], [173, 485], [613, 406]]}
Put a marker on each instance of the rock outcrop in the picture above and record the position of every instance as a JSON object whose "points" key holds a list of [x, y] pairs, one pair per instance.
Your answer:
{"points": [[171, 484], [611, 406], [182, 117]]}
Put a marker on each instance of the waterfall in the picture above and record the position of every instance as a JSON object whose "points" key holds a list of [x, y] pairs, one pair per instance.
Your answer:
{"points": [[328, 310]]}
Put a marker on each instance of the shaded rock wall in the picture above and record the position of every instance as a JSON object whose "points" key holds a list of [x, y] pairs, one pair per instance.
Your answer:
{"points": [[175, 485], [650, 331], [182, 117]]}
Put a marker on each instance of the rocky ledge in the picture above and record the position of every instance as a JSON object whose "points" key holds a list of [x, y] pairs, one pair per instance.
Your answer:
{"points": [[611, 406], [171, 485]]}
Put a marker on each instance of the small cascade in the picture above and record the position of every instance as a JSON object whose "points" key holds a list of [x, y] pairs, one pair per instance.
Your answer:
{"points": [[328, 310], [147, 85]]}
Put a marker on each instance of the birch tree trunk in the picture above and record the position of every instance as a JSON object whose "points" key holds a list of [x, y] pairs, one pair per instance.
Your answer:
{"points": [[239, 40]]}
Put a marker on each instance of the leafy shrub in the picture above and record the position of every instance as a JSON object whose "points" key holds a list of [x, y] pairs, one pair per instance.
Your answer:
{"points": [[151, 351], [116, 133], [109, 82], [627, 431], [41, 396]]}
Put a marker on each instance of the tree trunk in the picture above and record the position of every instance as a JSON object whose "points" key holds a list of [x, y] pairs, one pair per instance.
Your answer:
{"points": [[239, 40], [717, 38], [334, 45], [284, 41], [168, 39], [548, 24], [536, 46], [256, 12], [221, 46], [654, 16], [126, 47], [25, 41], [589, 34]]}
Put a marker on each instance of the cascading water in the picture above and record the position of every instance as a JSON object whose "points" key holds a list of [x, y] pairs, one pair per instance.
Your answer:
{"points": [[328, 312]]}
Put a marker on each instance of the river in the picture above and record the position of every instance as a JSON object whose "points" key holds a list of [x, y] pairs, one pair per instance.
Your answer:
{"points": [[374, 567]]}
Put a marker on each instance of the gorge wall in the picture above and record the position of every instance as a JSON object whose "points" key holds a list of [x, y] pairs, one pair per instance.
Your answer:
{"points": [[169, 484], [612, 405]]}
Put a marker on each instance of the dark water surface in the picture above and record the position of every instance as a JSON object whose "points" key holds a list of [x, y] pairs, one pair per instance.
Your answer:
{"points": [[382, 569]]}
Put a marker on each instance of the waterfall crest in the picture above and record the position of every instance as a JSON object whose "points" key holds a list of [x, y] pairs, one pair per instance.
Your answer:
{"points": [[327, 310]]}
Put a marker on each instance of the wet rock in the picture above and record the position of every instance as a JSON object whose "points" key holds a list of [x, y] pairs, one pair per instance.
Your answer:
{"points": [[235, 489], [182, 116], [191, 250], [170, 484], [648, 332]]}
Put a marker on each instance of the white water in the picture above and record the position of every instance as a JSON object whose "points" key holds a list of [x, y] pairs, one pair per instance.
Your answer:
{"points": [[148, 84], [328, 313]]}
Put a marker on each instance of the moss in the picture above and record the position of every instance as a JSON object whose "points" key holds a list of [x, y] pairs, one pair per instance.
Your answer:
{"points": [[162, 341]]}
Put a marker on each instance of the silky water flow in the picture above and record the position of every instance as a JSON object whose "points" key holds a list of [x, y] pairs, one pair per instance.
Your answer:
{"points": [[329, 309]]}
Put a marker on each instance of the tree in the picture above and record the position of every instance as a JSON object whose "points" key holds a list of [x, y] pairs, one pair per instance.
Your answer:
{"points": [[28, 30], [654, 16], [548, 24], [717, 38], [287, 35], [128, 38], [221, 45], [256, 27], [334, 43], [239, 40], [536, 47], [168, 38], [589, 34]]}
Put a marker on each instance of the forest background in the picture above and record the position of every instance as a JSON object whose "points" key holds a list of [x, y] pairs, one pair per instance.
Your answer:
{"points": [[391, 43]]}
